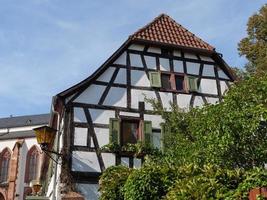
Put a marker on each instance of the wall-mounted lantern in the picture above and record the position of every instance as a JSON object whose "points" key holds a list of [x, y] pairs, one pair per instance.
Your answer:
{"points": [[45, 136]]}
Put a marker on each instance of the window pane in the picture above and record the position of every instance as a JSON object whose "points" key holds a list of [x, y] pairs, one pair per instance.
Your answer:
{"points": [[129, 132], [165, 81], [179, 80], [33, 164], [4, 166]]}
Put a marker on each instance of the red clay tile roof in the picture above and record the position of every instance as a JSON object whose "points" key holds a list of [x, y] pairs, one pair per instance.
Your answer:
{"points": [[164, 29]]}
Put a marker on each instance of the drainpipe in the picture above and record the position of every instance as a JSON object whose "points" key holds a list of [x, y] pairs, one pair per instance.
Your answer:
{"points": [[57, 150]]}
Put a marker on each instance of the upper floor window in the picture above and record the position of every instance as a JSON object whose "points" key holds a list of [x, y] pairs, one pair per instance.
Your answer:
{"points": [[130, 131], [32, 165], [166, 81], [173, 81], [5, 160]]}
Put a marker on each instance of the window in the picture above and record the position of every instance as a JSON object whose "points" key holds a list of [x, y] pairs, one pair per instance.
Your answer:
{"points": [[32, 167], [5, 159], [179, 82], [174, 81], [166, 81], [155, 80], [130, 131], [192, 84], [166, 52]]}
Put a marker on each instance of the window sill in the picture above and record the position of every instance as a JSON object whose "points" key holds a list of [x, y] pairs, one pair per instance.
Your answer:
{"points": [[125, 153], [4, 184]]}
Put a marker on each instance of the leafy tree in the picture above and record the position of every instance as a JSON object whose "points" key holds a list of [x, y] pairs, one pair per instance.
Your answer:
{"points": [[254, 46], [230, 134], [112, 182]]}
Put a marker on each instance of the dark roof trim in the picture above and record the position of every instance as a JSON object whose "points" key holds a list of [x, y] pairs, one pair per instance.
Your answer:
{"points": [[161, 44], [86, 82]]}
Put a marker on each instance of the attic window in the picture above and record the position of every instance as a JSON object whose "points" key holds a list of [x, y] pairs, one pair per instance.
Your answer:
{"points": [[29, 121], [179, 82], [166, 52], [166, 81]]}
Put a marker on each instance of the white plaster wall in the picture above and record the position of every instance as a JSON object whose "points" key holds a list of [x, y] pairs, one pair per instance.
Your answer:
{"points": [[121, 60], [139, 78], [137, 47], [156, 138], [164, 64], [70, 97], [91, 95], [129, 114], [212, 100], [79, 115], [224, 87], [101, 116], [80, 136], [208, 70], [154, 50], [183, 100], [121, 76], [139, 95], [85, 161], [116, 97], [109, 159], [125, 161], [135, 60], [205, 58], [177, 53], [192, 68], [137, 163], [198, 102], [150, 62], [7, 143], [89, 191], [190, 55], [102, 135], [155, 119], [221, 74], [28, 143], [167, 100], [106, 76], [178, 66], [208, 86]]}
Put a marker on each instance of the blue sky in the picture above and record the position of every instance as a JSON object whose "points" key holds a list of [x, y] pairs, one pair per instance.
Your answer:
{"points": [[47, 46]]}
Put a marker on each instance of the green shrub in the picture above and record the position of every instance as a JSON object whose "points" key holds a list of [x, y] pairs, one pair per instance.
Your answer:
{"points": [[149, 183], [254, 178], [209, 182], [112, 182]]}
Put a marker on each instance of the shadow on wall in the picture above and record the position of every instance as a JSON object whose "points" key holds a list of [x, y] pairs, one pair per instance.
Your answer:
{"points": [[89, 191], [81, 163]]}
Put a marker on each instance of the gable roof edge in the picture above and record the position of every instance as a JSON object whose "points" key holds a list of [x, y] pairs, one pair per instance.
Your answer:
{"points": [[86, 81]]}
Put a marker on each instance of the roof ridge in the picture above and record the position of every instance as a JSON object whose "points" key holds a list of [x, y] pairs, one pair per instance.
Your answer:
{"points": [[147, 25], [21, 116], [184, 34]]}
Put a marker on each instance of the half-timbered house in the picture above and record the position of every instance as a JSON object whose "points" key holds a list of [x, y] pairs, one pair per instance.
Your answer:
{"points": [[162, 61]]}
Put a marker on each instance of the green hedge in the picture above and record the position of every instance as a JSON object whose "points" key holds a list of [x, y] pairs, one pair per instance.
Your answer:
{"points": [[112, 182]]}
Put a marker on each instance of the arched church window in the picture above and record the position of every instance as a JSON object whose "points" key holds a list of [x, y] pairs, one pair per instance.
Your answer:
{"points": [[4, 164], [32, 168]]}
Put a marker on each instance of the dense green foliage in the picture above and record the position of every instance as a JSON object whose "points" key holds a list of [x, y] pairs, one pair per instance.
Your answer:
{"points": [[112, 182], [149, 183], [209, 153], [254, 46], [230, 134]]}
